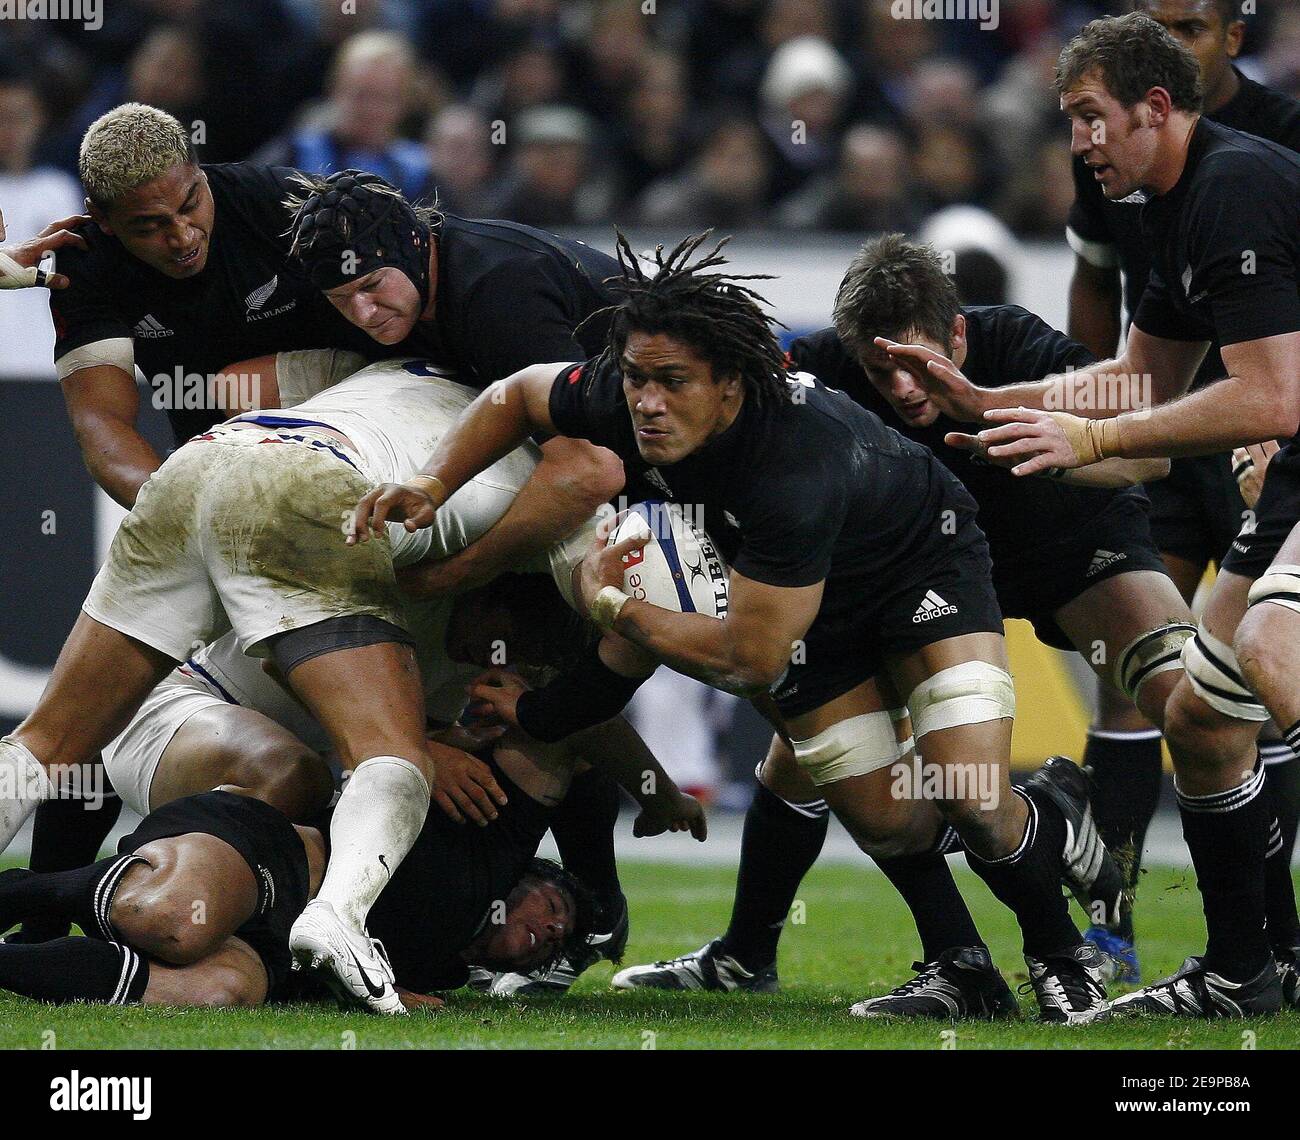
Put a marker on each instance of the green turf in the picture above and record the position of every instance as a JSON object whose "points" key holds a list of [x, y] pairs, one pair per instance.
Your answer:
{"points": [[850, 937]]}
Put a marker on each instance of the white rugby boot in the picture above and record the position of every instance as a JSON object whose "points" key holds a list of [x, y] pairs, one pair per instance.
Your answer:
{"points": [[349, 961]]}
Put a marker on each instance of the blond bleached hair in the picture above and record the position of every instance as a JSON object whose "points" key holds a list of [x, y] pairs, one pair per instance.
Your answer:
{"points": [[129, 146]]}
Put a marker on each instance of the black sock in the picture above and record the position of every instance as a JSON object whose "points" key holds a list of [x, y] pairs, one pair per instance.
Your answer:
{"points": [[1028, 880], [583, 826], [66, 835], [781, 842], [1282, 785], [74, 969], [925, 881], [1227, 834], [83, 896], [1126, 770]]}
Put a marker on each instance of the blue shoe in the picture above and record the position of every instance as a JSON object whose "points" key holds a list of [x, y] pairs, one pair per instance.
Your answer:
{"points": [[1122, 951]]}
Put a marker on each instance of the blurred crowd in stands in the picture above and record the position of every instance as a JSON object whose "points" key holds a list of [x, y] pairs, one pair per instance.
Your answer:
{"points": [[791, 114]]}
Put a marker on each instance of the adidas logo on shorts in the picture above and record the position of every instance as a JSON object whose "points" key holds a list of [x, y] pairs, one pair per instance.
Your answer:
{"points": [[932, 606], [150, 327], [1101, 559]]}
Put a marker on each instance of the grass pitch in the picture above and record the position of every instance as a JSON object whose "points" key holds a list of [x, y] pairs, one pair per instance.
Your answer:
{"points": [[849, 936]]}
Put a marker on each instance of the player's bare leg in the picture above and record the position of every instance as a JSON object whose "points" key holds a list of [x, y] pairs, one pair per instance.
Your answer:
{"points": [[379, 737], [232, 975], [96, 686], [249, 753]]}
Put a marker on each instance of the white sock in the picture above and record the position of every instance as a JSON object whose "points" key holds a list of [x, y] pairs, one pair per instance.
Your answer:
{"points": [[380, 813], [23, 784]]}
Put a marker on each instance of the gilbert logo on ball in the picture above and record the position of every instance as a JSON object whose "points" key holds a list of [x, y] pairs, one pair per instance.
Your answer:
{"points": [[679, 569]]}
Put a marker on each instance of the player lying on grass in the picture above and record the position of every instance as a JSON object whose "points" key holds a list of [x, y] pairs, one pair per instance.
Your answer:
{"points": [[196, 907], [1076, 561], [1222, 220], [836, 529], [240, 529]]}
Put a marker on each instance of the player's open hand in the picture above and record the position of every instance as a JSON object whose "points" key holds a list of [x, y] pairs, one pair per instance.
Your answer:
{"points": [[1030, 441], [675, 811], [20, 264], [953, 394], [429, 1002], [1249, 465], [464, 787], [389, 502], [605, 565], [494, 695]]}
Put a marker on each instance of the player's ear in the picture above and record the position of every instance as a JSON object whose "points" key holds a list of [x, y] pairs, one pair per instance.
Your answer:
{"points": [[1158, 106], [1233, 38], [99, 216], [958, 336]]}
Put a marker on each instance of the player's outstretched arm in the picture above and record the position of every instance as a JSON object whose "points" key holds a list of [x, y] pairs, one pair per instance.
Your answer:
{"points": [[20, 263], [102, 404], [503, 416], [1151, 370]]}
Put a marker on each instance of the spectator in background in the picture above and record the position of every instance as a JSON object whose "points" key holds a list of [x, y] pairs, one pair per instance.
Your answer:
{"points": [[736, 76], [1037, 201], [887, 52], [1022, 105], [553, 179], [805, 90], [654, 137], [870, 191], [1280, 63], [726, 185], [370, 91], [30, 196], [979, 252], [951, 165], [531, 76], [460, 159], [609, 64]]}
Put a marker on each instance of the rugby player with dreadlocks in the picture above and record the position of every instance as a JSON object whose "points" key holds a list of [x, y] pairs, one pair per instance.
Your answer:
{"points": [[838, 531]]}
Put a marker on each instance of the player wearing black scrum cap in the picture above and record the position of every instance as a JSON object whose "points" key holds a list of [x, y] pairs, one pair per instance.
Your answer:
{"points": [[484, 298], [1197, 511], [1222, 222], [858, 576]]}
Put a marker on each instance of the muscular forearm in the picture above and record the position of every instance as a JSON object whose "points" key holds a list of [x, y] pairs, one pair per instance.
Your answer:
{"points": [[491, 427], [1095, 309], [617, 749], [1215, 418], [698, 646], [118, 458]]}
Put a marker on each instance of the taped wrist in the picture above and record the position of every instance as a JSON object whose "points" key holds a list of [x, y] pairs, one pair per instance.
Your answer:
{"points": [[1094, 440], [587, 695]]}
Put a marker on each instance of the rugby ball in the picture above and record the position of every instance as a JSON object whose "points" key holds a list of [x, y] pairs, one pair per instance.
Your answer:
{"points": [[679, 568]]}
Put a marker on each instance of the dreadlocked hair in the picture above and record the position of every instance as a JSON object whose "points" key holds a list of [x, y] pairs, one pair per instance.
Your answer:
{"points": [[720, 319], [309, 184]]}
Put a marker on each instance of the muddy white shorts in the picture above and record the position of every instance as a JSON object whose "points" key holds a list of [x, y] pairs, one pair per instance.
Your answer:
{"points": [[132, 759], [242, 529]]}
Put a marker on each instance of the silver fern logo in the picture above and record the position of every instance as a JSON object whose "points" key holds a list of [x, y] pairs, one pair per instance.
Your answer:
{"points": [[259, 296]]}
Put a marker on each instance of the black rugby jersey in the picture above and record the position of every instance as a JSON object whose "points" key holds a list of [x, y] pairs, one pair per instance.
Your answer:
{"points": [[1225, 242], [246, 302], [1005, 345], [813, 489], [441, 897], [508, 296], [1255, 109]]}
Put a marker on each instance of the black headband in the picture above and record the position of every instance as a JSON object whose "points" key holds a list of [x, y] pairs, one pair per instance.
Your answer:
{"points": [[359, 223]]}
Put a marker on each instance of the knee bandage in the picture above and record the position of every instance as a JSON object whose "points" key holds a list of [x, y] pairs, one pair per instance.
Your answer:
{"points": [[1281, 585], [852, 747], [1215, 676], [969, 693], [1156, 651]]}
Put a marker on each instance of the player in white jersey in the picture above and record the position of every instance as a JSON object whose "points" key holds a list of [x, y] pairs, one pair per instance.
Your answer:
{"points": [[240, 530]]}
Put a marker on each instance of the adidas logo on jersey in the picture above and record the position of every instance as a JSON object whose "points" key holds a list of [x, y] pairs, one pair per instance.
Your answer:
{"points": [[1101, 559], [150, 328], [932, 606]]}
